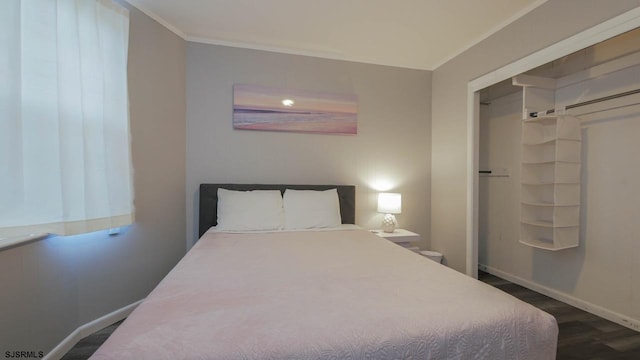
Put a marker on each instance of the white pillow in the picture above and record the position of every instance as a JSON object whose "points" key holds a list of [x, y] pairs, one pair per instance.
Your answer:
{"points": [[307, 209], [249, 210]]}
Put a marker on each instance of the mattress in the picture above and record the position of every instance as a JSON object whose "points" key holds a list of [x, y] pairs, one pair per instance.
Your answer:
{"points": [[344, 294]]}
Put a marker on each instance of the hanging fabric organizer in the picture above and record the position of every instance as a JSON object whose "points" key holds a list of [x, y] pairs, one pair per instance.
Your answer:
{"points": [[550, 182], [550, 165]]}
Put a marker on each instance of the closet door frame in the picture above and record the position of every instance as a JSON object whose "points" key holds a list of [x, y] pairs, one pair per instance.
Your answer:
{"points": [[601, 32]]}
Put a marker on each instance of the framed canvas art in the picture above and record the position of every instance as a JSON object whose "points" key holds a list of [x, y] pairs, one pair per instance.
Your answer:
{"points": [[274, 109]]}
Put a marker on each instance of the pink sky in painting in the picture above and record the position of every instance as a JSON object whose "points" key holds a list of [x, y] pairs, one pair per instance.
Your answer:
{"points": [[267, 98]]}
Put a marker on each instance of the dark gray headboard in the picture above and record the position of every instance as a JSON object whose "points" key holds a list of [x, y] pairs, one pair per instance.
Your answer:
{"points": [[209, 200]]}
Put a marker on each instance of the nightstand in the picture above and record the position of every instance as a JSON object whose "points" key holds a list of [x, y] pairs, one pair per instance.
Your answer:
{"points": [[401, 237]]}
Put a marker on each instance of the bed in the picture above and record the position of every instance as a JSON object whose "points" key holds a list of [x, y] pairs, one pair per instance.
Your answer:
{"points": [[321, 293]]}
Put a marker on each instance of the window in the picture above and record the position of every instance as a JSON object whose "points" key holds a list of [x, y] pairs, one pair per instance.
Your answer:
{"points": [[65, 158]]}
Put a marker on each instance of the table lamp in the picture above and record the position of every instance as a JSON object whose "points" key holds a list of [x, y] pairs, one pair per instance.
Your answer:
{"points": [[389, 204]]}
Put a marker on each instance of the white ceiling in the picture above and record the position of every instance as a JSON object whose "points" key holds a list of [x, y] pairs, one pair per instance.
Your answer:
{"points": [[418, 34]]}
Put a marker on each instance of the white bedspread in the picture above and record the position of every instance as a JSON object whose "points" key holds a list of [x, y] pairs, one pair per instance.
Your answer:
{"points": [[325, 295]]}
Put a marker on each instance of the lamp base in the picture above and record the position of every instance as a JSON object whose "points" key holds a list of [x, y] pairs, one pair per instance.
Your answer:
{"points": [[389, 223]]}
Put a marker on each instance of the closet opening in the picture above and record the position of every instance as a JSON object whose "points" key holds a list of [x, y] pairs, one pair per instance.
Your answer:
{"points": [[530, 146], [553, 182], [550, 62]]}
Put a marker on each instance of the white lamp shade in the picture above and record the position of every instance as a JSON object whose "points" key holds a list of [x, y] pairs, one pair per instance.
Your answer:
{"points": [[390, 203]]}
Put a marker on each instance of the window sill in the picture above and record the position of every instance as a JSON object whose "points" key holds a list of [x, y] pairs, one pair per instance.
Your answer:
{"points": [[11, 242]]}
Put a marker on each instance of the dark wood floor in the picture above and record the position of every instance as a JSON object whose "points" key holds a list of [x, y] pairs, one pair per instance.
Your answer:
{"points": [[582, 335], [87, 346]]}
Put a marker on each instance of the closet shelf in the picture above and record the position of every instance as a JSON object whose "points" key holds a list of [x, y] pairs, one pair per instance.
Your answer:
{"points": [[549, 162], [546, 244], [544, 120], [550, 182], [546, 224], [548, 141], [543, 204]]}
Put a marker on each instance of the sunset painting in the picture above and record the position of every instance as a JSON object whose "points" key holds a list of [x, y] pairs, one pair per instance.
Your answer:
{"points": [[274, 109]]}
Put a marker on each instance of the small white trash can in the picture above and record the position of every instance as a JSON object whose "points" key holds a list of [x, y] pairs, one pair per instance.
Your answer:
{"points": [[433, 255]]}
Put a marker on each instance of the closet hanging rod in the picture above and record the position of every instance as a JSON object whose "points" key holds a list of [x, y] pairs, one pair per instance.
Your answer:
{"points": [[588, 102]]}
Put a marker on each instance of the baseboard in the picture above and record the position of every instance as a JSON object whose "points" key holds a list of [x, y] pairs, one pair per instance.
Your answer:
{"points": [[89, 328], [600, 311]]}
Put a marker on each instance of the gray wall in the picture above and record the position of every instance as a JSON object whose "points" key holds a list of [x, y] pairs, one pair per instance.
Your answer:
{"points": [[544, 26], [392, 144], [53, 286]]}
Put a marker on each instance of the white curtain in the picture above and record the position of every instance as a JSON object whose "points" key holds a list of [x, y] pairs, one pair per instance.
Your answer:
{"points": [[65, 158]]}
